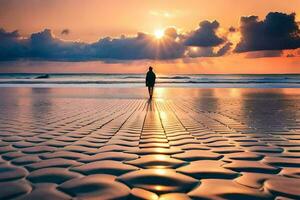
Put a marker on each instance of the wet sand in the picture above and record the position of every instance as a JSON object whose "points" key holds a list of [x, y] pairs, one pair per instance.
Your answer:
{"points": [[88, 143]]}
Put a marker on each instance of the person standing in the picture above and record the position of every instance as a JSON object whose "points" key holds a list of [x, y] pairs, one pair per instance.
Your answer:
{"points": [[150, 81]]}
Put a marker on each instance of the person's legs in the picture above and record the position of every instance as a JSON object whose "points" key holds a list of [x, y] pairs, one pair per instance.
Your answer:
{"points": [[151, 91]]}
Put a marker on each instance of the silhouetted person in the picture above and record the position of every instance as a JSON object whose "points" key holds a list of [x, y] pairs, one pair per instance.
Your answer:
{"points": [[150, 81]]}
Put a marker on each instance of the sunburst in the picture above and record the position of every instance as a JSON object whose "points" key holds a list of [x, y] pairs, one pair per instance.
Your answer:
{"points": [[159, 33]]}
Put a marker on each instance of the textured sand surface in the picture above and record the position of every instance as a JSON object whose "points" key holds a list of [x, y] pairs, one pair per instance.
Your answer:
{"points": [[184, 144]]}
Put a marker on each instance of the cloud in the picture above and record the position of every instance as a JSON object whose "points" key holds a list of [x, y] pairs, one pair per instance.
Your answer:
{"points": [[195, 52], [205, 35], [224, 50], [65, 32], [278, 31], [200, 52], [11, 45], [45, 46], [266, 38]]}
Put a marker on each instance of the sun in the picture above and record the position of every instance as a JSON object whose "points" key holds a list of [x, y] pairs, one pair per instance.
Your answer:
{"points": [[159, 33]]}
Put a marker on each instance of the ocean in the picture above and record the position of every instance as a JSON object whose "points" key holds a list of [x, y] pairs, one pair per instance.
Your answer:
{"points": [[137, 80]]}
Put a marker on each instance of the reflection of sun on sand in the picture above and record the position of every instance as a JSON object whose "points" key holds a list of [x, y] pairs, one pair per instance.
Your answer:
{"points": [[68, 143], [159, 92]]}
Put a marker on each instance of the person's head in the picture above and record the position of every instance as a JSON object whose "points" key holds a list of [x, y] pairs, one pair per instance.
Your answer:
{"points": [[150, 68]]}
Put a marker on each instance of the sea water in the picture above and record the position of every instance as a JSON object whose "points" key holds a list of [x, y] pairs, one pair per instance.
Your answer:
{"points": [[138, 80]]}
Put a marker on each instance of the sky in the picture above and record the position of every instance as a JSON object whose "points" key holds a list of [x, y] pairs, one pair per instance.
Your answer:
{"points": [[174, 36]]}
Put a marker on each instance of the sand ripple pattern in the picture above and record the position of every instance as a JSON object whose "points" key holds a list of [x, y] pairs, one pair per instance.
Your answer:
{"points": [[163, 149]]}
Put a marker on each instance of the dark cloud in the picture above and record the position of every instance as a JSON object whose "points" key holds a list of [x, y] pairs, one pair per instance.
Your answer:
{"points": [[209, 51], [205, 35], [224, 50], [11, 45], [201, 52], [44, 46], [278, 31], [65, 32]]}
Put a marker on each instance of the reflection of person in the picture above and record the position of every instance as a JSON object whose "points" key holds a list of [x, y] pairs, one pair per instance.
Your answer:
{"points": [[150, 81]]}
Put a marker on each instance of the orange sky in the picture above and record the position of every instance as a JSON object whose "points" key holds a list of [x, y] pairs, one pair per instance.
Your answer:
{"points": [[90, 20], [234, 64]]}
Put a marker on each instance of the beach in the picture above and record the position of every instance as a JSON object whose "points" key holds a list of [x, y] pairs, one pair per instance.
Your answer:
{"points": [[115, 143]]}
